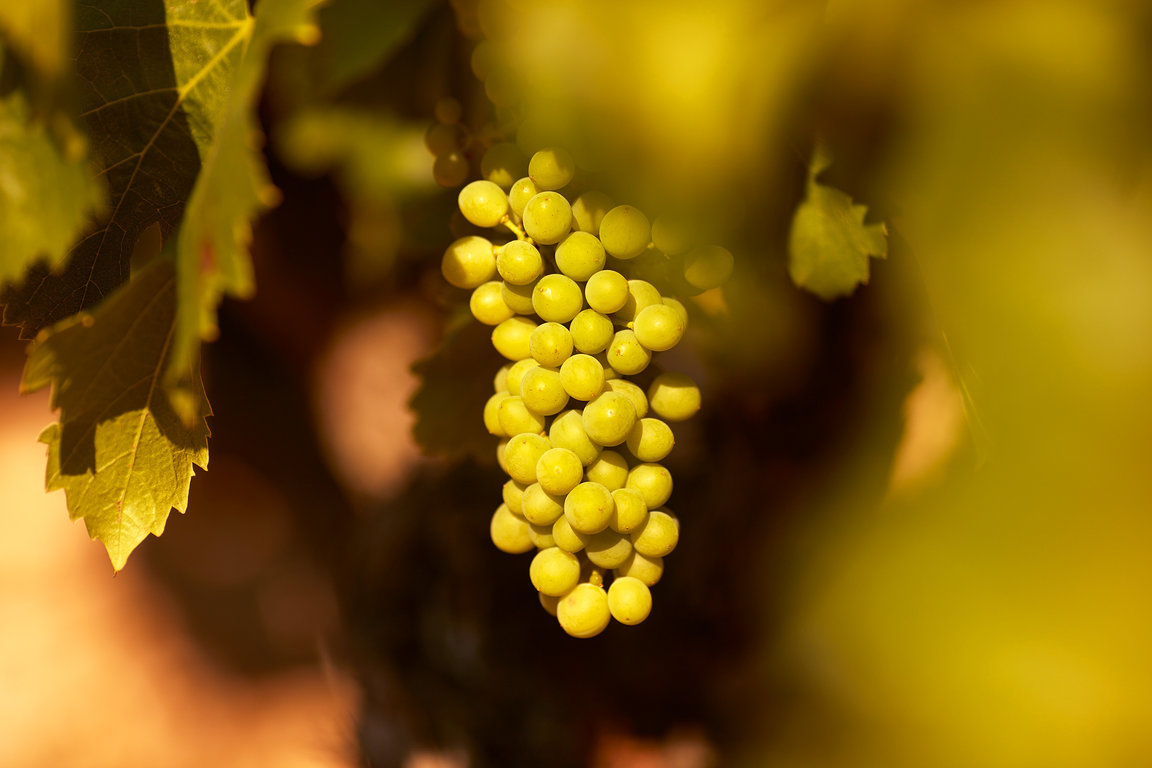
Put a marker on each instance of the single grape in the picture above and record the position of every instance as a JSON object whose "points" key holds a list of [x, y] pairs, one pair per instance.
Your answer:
{"points": [[606, 291], [519, 263], [483, 59], [517, 297], [516, 373], [492, 415], [589, 209], [602, 358], [583, 612], [547, 217], [551, 345], [520, 455], [511, 337], [521, 192], [483, 203], [677, 305], [674, 396], [550, 603], [513, 493], [582, 377], [487, 305], [658, 327], [557, 298], [591, 331], [607, 549], [588, 507], [540, 507], [567, 431], [442, 139], [503, 164], [629, 600], [707, 267], [469, 262], [646, 569], [670, 236], [448, 110], [500, 380], [565, 537], [510, 533], [542, 392], [610, 470], [657, 536], [626, 354], [653, 481], [559, 471], [551, 168], [608, 418], [652, 266], [580, 256], [629, 390], [515, 416], [541, 536], [625, 232], [641, 294], [554, 571], [650, 440], [630, 510], [501, 450], [590, 573], [450, 170]]}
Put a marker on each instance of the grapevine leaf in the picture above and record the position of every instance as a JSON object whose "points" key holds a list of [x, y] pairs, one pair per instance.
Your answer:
{"points": [[233, 187], [360, 34], [46, 196], [829, 244], [120, 451]]}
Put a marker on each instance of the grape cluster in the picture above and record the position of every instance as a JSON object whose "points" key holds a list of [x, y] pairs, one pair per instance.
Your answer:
{"points": [[563, 285]]}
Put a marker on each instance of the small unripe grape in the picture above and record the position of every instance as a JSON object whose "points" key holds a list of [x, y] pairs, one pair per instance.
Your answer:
{"points": [[608, 418], [643, 567], [590, 573], [582, 377], [503, 164], [580, 256], [542, 392], [515, 417], [591, 331], [567, 431], [511, 337], [630, 511], [607, 549], [625, 232], [626, 354], [554, 571], [610, 470], [521, 192], [707, 267], [653, 481], [658, 535], [547, 217], [520, 455], [606, 291], [589, 209], [588, 507], [583, 612], [551, 344], [674, 396], [557, 298], [487, 305], [469, 262], [551, 168], [658, 327], [483, 203], [509, 533], [629, 600], [559, 471], [540, 507], [450, 170], [650, 440], [519, 263]]}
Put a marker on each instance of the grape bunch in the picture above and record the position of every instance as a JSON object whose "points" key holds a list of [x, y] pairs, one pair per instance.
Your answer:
{"points": [[583, 417]]}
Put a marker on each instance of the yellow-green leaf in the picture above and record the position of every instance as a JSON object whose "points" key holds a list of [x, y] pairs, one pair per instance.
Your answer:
{"points": [[829, 244], [122, 454]]}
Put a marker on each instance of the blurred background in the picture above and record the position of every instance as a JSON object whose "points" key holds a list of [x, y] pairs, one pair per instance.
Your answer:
{"points": [[916, 521]]}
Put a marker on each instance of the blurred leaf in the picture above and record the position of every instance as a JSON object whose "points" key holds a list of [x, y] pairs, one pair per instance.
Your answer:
{"points": [[120, 452], [46, 195], [358, 35], [38, 31], [829, 244], [233, 186]]}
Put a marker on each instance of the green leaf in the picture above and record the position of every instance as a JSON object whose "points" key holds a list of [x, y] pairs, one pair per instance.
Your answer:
{"points": [[47, 194], [360, 34], [829, 244], [120, 451]]}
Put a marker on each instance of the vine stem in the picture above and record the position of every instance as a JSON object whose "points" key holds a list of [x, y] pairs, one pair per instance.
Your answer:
{"points": [[516, 229]]}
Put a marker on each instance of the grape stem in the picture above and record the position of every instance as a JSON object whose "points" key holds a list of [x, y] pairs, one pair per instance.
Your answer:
{"points": [[516, 229]]}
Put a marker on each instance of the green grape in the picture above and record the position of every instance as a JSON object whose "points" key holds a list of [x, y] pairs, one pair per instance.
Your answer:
{"points": [[582, 377], [658, 535], [515, 416], [610, 470], [670, 236], [646, 569], [588, 507], [652, 266], [469, 262], [608, 418], [606, 291], [565, 537], [448, 110], [559, 471], [653, 481], [580, 256], [583, 612], [650, 440], [483, 203], [681, 310], [557, 298], [629, 600], [591, 331], [541, 536], [607, 548], [658, 327], [551, 345], [511, 337], [450, 170], [625, 232], [492, 414], [522, 191], [518, 297], [519, 263], [550, 603], [674, 396], [514, 496], [500, 381], [483, 60], [501, 450], [539, 506], [626, 354], [547, 218], [516, 373], [443, 139], [567, 431], [510, 533], [707, 267], [520, 454], [542, 392], [641, 294], [502, 164], [486, 304], [589, 209], [631, 391], [590, 573], [630, 510], [551, 168], [554, 571]]}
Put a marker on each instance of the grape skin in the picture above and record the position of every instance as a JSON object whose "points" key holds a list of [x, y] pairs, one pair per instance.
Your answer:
{"points": [[583, 612], [629, 600], [483, 203], [468, 262], [547, 217], [625, 232]]}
